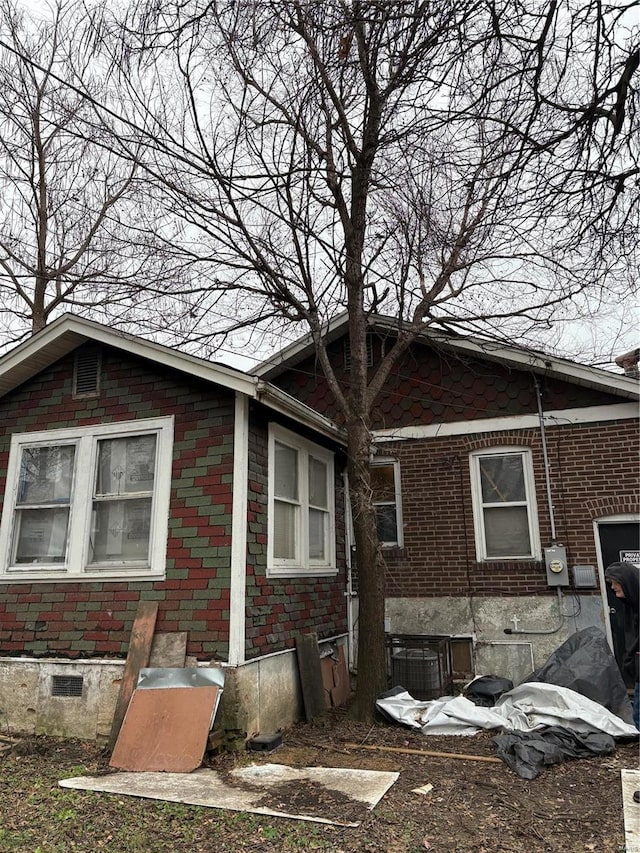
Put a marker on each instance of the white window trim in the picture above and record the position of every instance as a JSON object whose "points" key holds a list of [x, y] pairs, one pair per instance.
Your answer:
{"points": [[301, 566], [397, 487], [530, 495], [85, 440]]}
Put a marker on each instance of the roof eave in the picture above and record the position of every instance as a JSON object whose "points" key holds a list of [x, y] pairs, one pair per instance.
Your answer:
{"points": [[68, 332], [540, 363], [285, 404]]}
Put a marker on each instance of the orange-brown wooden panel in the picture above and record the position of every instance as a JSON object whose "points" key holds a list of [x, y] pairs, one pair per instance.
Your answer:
{"points": [[165, 729]]}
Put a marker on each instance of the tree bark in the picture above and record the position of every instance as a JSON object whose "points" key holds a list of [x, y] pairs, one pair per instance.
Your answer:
{"points": [[370, 572]]}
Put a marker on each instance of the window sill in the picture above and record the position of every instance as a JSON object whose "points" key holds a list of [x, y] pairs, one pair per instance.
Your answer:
{"points": [[300, 572], [529, 559], [85, 577], [394, 550]]}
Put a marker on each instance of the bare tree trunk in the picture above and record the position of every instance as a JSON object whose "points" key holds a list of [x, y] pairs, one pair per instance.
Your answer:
{"points": [[372, 679]]}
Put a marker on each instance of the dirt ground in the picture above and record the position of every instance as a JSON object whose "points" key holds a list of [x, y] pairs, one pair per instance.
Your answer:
{"points": [[473, 806]]}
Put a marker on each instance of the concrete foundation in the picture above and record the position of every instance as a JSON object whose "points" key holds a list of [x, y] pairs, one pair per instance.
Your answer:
{"points": [[260, 696], [513, 655], [28, 706]]}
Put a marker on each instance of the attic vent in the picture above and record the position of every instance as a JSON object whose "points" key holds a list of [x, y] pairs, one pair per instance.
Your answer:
{"points": [[66, 685], [347, 352], [86, 375]]}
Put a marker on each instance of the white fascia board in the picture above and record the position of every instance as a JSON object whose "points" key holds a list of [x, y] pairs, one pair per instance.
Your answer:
{"points": [[280, 401], [525, 359], [559, 417], [548, 365], [68, 332]]}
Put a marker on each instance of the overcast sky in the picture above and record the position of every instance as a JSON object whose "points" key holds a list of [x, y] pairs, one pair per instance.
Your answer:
{"points": [[615, 330]]}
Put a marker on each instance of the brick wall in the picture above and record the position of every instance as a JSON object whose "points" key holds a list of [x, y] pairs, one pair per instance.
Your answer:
{"points": [[95, 618], [593, 472], [593, 467]]}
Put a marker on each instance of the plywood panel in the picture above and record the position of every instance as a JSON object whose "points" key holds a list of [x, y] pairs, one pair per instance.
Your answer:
{"points": [[335, 677], [169, 650], [165, 729]]}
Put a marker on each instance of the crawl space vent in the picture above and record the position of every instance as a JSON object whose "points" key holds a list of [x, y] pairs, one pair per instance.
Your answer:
{"points": [[66, 685], [86, 375]]}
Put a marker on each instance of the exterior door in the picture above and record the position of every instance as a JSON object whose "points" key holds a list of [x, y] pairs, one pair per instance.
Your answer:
{"points": [[619, 542]]}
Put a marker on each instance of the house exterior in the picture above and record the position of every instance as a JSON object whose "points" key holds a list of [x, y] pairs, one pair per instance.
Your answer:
{"points": [[131, 472], [504, 481]]}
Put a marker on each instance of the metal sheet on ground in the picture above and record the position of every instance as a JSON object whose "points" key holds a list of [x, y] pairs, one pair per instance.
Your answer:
{"points": [[165, 729], [258, 788]]}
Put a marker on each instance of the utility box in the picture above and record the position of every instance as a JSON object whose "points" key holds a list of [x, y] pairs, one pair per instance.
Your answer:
{"points": [[584, 577], [556, 563]]}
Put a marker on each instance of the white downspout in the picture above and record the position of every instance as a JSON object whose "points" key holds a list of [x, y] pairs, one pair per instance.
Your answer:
{"points": [[349, 594], [238, 582]]}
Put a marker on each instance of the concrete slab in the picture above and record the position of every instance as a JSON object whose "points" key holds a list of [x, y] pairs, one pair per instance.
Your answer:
{"points": [[630, 780], [320, 794]]}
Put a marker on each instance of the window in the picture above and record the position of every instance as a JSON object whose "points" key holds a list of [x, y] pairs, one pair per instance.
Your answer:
{"points": [[301, 506], [385, 486], [87, 502], [504, 505]]}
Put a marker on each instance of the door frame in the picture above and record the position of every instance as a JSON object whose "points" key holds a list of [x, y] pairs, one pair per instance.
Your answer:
{"points": [[620, 518]]}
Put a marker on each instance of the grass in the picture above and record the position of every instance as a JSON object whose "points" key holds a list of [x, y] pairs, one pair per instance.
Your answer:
{"points": [[474, 806]]}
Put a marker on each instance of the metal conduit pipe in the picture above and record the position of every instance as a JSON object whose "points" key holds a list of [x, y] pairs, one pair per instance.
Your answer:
{"points": [[555, 630], [554, 538], [545, 457]]}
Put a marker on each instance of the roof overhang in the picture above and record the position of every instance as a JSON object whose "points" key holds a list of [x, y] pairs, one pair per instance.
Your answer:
{"points": [[68, 332], [515, 357]]}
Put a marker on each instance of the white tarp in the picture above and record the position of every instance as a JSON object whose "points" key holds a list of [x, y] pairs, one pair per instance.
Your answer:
{"points": [[528, 707]]}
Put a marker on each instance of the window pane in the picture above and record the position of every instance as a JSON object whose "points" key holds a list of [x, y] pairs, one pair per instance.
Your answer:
{"points": [[507, 532], [46, 474], [317, 534], [42, 535], [386, 523], [120, 530], [286, 472], [317, 482], [284, 530], [502, 478], [383, 483], [126, 465]]}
